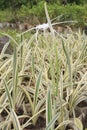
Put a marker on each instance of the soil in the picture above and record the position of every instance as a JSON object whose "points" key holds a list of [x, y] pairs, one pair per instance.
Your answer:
{"points": [[40, 125]]}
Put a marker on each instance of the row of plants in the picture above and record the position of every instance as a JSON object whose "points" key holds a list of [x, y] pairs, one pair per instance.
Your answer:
{"points": [[45, 77]]}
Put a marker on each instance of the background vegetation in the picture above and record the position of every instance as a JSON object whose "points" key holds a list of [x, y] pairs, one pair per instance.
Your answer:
{"points": [[19, 10], [15, 3]]}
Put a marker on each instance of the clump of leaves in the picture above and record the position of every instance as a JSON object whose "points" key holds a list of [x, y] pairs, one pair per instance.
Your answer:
{"points": [[45, 77]]}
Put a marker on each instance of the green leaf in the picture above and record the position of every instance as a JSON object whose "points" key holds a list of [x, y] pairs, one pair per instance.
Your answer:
{"points": [[15, 120], [52, 122], [48, 20], [15, 75], [78, 123], [68, 61], [8, 95], [37, 87], [48, 108]]}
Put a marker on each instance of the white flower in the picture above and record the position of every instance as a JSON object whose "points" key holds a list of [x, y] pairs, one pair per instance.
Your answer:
{"points": [[42, 26]]}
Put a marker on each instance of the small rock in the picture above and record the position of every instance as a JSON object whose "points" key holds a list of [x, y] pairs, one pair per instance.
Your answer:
{"points": [[3, 41]]}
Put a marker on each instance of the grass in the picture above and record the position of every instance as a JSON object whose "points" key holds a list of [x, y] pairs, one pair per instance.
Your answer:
{"points": [[46, 76]]}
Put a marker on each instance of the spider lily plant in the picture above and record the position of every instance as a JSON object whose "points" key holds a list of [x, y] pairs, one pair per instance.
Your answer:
{"points": [[47, 80]]}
